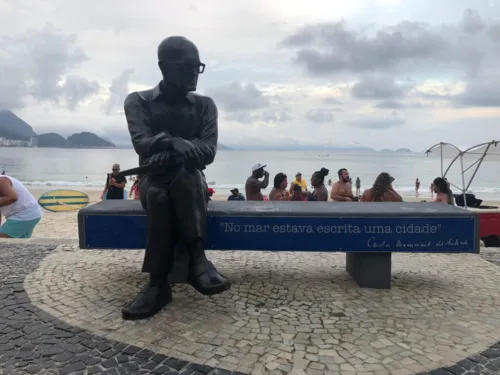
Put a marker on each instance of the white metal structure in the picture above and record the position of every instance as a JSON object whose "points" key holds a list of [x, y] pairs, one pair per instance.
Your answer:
{"points": [[484, 151]]}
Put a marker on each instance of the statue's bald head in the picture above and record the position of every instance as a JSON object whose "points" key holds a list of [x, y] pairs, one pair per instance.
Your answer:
{"points": [[177, 48]]}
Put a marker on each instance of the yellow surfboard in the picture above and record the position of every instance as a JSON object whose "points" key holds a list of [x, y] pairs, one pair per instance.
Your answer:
{"points": [[63, 200]]}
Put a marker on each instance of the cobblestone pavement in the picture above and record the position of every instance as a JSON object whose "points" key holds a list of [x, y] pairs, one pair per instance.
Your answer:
{"points": [[34, 342], [291, 313]]}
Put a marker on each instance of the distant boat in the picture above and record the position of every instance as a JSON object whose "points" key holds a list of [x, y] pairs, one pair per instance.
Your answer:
{"points": [[211, 183]]}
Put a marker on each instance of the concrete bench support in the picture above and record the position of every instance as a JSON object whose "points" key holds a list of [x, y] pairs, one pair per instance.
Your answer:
{"points": [[370, 270]]}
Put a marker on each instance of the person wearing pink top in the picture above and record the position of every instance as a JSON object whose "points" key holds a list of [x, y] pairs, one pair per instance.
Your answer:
{"points": [[135, 189]]}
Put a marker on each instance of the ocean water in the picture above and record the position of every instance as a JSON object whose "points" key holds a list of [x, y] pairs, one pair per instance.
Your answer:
{"points": [[87, 169]]}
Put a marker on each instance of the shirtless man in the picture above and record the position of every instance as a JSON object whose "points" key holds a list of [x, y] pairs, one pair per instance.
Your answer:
{"points": [[254, 185], [342, 189]]}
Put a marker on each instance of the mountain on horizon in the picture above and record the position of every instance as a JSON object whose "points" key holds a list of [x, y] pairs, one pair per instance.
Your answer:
{"points": [[14, 128]]}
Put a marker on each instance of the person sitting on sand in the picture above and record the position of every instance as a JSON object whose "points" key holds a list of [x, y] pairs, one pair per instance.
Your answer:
{"points": [[382, 190], [342, 189], [235, 195], [443, 192], [320, 192], [19, 207], [253, 185], [298, 195], [279, 192], [298, 181]]}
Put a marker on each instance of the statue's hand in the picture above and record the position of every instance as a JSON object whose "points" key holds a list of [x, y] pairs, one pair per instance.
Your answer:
{"points": [[160, 159], [185, 149]]}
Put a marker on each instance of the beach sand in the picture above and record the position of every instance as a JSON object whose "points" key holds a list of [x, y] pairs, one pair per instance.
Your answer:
{"points": [[64, 225]]}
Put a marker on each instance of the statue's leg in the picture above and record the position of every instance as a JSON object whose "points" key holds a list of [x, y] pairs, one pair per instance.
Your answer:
{"points": [[159, 252], [189, 196]]}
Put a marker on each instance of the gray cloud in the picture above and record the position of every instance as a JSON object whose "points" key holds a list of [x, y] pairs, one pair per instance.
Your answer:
{"points": [[380, 87], [331, 48], [118, 91], [396, 104], [390, 104], [331, 101], [268, 115], [77, 89], [378, 123], [320, 115], [471, 22], [239, 96], [35, 63], [481, 92]]}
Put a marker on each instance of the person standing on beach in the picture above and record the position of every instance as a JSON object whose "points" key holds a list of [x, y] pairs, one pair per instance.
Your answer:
{"points": [[431, 190], [19, 207], [342, 189], [279, 192], [320, 192], [417, 187], [358, 187], [115, 184], [210, 193], [298, 181], [253, 185], [135, 188]]}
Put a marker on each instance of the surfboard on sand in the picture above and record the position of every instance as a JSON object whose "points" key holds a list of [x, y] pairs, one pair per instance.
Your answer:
{"points": [[63, 200]]}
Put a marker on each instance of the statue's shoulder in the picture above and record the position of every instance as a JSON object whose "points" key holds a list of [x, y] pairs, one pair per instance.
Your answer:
{"points": [[139, 97], [203, 100]]}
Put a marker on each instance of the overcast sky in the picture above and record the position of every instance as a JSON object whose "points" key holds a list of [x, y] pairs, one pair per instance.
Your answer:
{"points": [[383, 74]]}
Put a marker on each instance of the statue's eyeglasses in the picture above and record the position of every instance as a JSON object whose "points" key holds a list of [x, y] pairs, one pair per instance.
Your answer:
{"points": [[188, 65]]}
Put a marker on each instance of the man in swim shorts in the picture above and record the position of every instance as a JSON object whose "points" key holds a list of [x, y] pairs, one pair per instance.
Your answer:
{"points": [[19, 207]]}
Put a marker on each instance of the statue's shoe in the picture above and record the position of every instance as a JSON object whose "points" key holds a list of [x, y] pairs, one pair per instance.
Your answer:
{"points": [[151, 299], [205, 278]]}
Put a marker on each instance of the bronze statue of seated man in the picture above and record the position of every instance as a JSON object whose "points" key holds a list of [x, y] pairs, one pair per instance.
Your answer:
{"points": [[175, 131]]}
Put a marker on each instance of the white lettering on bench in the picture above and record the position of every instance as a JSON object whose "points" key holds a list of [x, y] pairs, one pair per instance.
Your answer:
{"points": [[333, 229], [407, 233]]}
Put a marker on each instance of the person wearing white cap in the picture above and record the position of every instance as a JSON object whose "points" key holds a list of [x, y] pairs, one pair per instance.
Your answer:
{"points": [[254, 185]]}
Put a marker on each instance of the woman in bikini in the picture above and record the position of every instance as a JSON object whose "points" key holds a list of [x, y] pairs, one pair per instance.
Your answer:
{"points": [[319, 193], [279, 192], [442, 190]]}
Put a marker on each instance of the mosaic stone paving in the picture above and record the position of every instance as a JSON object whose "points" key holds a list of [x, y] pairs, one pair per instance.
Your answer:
{"points": [[290, 313], [34, 342]]}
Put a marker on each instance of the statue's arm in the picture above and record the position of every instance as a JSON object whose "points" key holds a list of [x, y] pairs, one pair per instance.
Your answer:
{"points": [[206, 142], [139, 126]]}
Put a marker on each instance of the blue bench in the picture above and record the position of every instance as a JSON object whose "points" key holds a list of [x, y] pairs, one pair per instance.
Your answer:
{"points": [[367, 232]]}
